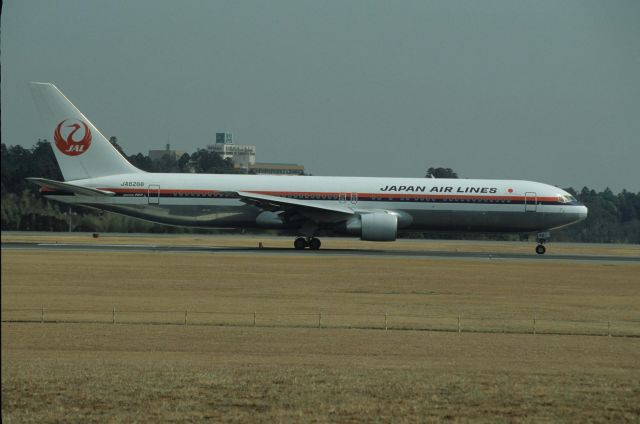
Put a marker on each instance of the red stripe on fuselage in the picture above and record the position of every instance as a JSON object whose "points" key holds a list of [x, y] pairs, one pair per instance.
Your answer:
{"points": [[402, 195], [381, 196], [154, 190]]}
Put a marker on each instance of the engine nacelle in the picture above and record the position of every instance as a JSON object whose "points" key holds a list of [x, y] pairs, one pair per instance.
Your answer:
{"points": [[269, 219], [377, 226]]}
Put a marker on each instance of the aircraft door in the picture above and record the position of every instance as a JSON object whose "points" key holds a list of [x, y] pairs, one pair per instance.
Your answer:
{"points": [[153, 194], [530, 201], [354, 198]]}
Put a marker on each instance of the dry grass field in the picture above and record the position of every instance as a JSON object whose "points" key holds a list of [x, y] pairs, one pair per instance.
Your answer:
{"points": [[97, 373], [327, 243], [276, 372]]}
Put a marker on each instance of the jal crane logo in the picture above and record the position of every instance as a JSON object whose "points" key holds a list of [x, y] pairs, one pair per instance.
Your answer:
{"points": [[70, 143]]}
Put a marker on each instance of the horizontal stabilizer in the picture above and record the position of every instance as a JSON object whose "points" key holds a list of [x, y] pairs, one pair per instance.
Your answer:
{"points": [[72, 188]]}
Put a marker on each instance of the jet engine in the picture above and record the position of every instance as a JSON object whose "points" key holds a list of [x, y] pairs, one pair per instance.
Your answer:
{"points": [[377, 226]]}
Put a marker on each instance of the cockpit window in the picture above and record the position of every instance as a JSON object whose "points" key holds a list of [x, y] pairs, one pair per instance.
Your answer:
{"points": [[566, 198]]}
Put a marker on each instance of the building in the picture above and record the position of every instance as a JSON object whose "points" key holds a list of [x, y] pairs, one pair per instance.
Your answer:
{"points": [[276, 169], [242, 155], [159, 154], [224, 138]]}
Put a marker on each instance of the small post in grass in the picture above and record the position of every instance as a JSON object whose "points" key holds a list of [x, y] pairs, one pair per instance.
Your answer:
{"points": [[534, 324], [114, 315], [459, 326], [609, 327], [185, 317], [42, 315], [319, 319], [254, 318], [385, 322]]}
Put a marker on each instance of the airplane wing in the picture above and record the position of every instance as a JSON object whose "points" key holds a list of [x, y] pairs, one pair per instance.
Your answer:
{"points": [[306, 208], [60, 186]]}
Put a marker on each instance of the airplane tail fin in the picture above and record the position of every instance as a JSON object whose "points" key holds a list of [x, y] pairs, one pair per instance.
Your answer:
{"points": [[80, 149]]}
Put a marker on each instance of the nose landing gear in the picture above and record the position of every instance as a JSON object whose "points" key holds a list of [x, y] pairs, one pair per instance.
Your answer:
{"points": [[541, 239], [302, 242]]}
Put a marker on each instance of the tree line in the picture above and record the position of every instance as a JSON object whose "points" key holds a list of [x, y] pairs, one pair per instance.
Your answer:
{"points": [[613, 218]]}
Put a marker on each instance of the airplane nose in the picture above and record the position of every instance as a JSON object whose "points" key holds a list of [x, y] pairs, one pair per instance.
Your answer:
{"points": [[583, 212]]}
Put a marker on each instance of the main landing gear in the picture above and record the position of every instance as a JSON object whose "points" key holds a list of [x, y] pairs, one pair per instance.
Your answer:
{"points": [[541, 239], [311, 242]]}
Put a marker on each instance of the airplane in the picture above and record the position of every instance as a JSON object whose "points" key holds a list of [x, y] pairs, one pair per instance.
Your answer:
{"points": [[97, 176]]}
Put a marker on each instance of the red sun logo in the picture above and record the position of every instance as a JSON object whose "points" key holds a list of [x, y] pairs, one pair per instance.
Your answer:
{"points": [[64, 137]]}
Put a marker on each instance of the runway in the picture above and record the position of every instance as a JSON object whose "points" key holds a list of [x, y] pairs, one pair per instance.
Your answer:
{"points": [[83, 247]]}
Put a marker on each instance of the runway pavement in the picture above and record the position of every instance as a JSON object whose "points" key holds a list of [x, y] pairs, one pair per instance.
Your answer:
{"points": [[323, 252]]}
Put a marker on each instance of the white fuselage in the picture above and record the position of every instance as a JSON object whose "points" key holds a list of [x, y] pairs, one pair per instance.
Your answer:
{"points": [[422, 204], [96, 175]]}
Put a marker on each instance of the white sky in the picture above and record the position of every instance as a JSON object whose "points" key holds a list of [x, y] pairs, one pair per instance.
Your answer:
{"points": [[542, 90]]}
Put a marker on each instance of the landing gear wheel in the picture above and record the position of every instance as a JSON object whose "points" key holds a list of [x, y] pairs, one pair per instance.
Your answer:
{"points": [[300, 243], [314, 243], [541, 239]]}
